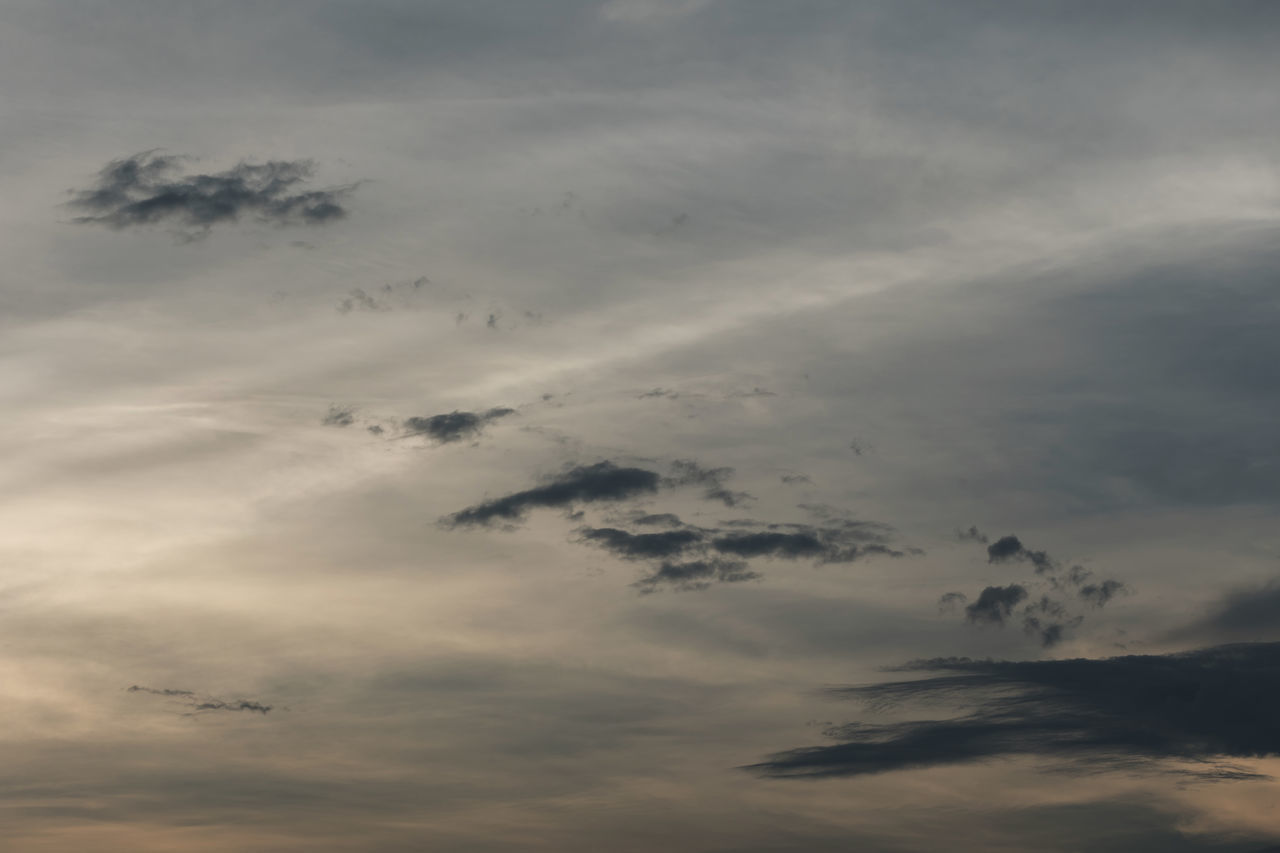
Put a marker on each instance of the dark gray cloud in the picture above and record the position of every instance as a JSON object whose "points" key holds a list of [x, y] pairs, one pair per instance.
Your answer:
{"points": [[723, 551], [656, 518], [695, 574], [1048, 618], [995, 604], [1132, 712], [1098, 594], [455, 425], [642, 546], [199, 704], [1005, 548], [770, 543], [238, 705], [339, 416], [166, 691], [1008, 548], [832, 544], [148, 189], [601, 481], [719, 552], [1048, 621], [949, 601]]}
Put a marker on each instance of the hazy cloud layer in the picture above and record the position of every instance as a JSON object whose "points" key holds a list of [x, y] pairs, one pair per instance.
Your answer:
{"points": [[756, 274], [1248, 613]]}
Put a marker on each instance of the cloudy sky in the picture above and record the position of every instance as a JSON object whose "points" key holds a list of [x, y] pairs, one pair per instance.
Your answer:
{"points": [[697, 425]]}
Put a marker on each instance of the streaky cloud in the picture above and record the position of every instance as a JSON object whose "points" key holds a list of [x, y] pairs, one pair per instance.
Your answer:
{"points": [[166, 691], [770, 543], [641, 546], [601, 481], [200, 705], [1136, 713], [695, 574]]}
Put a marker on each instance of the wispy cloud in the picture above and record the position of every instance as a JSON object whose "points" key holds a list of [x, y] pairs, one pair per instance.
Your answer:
{"points": [[695, 574], [203, 704]]}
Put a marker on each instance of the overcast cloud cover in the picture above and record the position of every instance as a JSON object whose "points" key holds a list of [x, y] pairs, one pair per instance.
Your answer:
{"points": [[492, 426]]}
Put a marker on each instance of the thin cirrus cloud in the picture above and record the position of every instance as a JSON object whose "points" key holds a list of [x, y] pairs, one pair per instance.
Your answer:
{"points": [[203, 704], [149, 189], [1137, 712]]}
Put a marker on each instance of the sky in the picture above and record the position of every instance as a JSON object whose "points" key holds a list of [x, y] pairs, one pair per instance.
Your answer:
{"points": [[715, 426]]}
